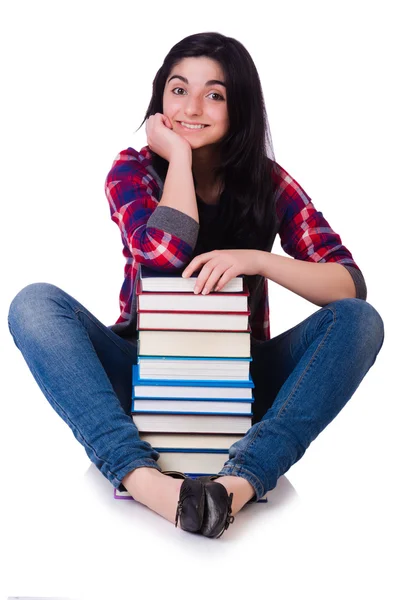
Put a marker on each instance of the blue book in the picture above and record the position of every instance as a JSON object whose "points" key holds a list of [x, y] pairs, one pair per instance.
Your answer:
{"points": [[137, 380], [178, 406], [207, 370]]}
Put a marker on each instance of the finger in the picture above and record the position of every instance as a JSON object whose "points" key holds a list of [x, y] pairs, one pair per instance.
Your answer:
{"points": [[214, 278], [209, 277], [203, 277], [226, 277], [196, 263]]}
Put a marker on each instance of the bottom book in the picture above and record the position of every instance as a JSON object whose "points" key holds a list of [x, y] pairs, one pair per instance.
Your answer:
{"points": [[118, 495]]}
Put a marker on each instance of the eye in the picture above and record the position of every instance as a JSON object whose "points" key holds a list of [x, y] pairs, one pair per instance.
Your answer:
{"points": [[215, 94], [178, 88], [211, 94]]}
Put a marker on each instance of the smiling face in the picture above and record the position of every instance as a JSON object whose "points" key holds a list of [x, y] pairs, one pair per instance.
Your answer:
{"points": [[195, 93]]}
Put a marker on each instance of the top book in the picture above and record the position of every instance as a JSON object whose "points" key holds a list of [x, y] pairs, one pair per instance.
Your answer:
{"points": [[154, 281]]}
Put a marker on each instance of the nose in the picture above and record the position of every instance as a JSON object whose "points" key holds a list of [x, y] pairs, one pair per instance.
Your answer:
{"points": [[193, 106]]}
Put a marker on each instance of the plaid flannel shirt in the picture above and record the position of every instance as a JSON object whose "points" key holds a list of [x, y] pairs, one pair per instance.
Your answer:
{"points": [[164, 238]]}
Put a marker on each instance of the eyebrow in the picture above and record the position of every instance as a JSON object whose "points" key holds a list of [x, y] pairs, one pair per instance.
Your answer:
{"points": [[209, 83]]}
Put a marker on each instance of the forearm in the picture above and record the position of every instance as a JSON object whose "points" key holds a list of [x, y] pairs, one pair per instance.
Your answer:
{"points": [[179, 192], [319, 283]]}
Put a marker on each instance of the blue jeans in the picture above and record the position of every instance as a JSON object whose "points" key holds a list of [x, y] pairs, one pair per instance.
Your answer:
{"points": [[302, 377]]}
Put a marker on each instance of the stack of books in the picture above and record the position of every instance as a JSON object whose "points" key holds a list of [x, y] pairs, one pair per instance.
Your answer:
{"points": [[192, 389]]}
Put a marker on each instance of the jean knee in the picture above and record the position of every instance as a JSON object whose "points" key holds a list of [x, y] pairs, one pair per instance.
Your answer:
{"points": [[369, 324], [30, 304]]}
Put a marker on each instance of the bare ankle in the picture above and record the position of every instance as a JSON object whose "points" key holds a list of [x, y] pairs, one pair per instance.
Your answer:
{"points": [[135, 481], [155, 490], [241, 488]]}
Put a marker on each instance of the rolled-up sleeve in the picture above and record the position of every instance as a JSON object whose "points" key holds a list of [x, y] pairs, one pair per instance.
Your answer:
{"points": [[160, 237], [306, 235]]}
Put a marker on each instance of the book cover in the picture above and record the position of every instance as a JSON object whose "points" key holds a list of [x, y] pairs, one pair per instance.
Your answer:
{"points": [[186, 406], [194, 343], [193, 320], [197, 423], [162, 281], [185, 442], [207, 383], [188, 301], [194, 368]]}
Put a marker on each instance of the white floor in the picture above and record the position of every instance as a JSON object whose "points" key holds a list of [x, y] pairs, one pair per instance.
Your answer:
{"points": [[328, 530]]}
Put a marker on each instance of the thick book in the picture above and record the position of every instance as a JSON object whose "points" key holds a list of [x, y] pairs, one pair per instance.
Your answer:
{"points": [[175, 405], [206, 442], [188, 301], [192, 462], [194, 321], [154, 281], [197, 423], [231, 371], [194, 343], [192, 393]]}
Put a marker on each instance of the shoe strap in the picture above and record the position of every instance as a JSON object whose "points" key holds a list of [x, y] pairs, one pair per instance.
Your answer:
{"points": [[229, 517]]}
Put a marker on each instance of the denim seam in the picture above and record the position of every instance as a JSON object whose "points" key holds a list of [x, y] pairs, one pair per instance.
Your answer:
{"points": [[297, 384], [122, 348], [64, 413]]}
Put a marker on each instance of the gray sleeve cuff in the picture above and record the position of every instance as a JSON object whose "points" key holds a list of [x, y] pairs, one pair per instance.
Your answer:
{"points": [[176, 223], [359, 282]]}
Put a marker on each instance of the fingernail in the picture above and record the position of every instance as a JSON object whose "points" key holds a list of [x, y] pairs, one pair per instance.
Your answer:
{"points": [[205, 291], [196, 290]]}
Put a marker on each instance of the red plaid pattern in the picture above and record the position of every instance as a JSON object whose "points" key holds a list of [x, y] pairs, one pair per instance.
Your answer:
{"points": [[133, 195]]}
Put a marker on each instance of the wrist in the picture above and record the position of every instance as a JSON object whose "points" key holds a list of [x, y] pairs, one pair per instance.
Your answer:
{"points": [[181, 154], [261, 262]]}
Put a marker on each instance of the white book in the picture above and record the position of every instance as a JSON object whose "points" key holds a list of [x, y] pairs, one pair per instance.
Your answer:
{"points": [[194, 343], [191, 441], [176, 391], [193, 321], [192, 423], [154, 281], [192, 462], [191, 369], [193, 302], [190, 406]]}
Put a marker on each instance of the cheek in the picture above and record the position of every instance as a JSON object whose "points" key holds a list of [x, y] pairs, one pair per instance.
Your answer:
{"points": [[171, 106]]}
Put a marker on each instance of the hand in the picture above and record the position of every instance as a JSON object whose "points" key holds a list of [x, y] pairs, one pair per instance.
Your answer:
{"points": [[220, 266], [162, 139]]}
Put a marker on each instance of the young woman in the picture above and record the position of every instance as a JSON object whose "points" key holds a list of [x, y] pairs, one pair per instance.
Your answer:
{"points": [[207, 194]]}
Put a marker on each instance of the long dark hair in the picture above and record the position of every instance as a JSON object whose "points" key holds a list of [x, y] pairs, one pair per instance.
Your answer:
{"points": [[247, 165]]}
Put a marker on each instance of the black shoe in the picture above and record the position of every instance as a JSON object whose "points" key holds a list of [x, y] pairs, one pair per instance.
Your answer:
{"points": [[205, 478], [218, 507], [191, 504]]}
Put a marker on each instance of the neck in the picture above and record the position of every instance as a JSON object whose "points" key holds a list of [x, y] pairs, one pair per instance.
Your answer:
{"points": [[204, 162]]}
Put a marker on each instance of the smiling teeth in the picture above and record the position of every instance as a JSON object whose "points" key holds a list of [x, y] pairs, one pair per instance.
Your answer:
{"points": [[192, 126]]}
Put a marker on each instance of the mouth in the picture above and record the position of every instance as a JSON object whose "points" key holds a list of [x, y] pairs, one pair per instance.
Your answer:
{"points": [[192, 128]]}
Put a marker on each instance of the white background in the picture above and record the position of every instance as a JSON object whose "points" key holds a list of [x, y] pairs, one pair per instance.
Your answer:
{"points": [[76, 82]]}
